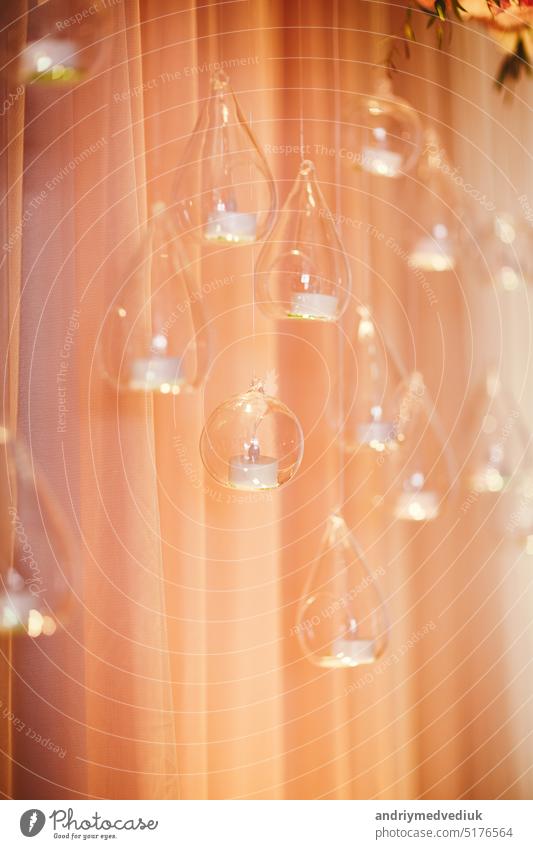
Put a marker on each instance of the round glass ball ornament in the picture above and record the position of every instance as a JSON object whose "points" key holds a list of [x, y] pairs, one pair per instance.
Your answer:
{"points": [[64, 50], [386, 135], [252, 441]]}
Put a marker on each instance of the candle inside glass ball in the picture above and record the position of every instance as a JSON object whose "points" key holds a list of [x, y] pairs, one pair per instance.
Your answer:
{"points": [[51, 60], [376, 434], [260, 473], [156, 374], [434, 253], [385, 163], [314, 305], [489, 479], [345, 652], [417, 506], [224, 226], [18, 613]]}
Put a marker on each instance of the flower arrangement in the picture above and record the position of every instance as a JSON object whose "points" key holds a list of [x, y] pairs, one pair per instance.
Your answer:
{"points": [[508, 21]]}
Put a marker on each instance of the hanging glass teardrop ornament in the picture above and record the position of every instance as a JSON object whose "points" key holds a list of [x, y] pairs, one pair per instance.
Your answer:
{"points": [[373, 415], [385, 135], [252, 441], [63, 50], [341, 618], [518, 522], [507, 254], [37, 551], [153, 337], [500, 463], [224, 190], [498, 435], [425, 468], [435, 244], [302, 271]]}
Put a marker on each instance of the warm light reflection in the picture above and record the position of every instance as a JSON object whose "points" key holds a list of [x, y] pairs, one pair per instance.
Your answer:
{"points": [[157, 374], [348, 653], [385, 163], [509, 279], [417, 506], [35, 623], [42, 63], [428, 259], [17, 615], [488, 479]]}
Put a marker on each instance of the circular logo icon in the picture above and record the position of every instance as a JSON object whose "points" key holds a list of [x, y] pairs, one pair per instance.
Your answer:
{"points": [[32, 822]]}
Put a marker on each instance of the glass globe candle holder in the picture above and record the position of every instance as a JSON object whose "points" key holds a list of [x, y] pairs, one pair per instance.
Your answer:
{"points": [[371, 423], [342, 621], [506, 253], [153, 339], [385, 132], [435, 245], [425, 469], [499, 467], [224, 189], [63, 49], [252, 441], [302, 271], [518, 522], [500, 457], [36, 548], [434, 251]]}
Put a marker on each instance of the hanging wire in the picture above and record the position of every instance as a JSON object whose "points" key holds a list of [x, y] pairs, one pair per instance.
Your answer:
{"points": [[376, 25], [252, 276], [300, 79], [252, 53], [219, 32], [338, 204]]}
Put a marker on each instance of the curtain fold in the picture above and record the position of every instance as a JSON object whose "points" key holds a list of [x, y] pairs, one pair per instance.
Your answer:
{"points": [[12, 36], [179, 674]]}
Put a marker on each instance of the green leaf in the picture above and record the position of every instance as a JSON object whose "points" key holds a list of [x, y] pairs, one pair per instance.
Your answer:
{"points": [[409, 32], [513, 65], [440, 9], [457, 9]]}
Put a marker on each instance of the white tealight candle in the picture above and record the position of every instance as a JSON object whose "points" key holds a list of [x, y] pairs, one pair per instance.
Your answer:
{"points": [[50, 59], [15, 607], [261, 473], [314, 305], [429, 255], [231, 227], [386, 163], [159, 373], [489, 479], [346, 652], [375, 434], [417, 506]]}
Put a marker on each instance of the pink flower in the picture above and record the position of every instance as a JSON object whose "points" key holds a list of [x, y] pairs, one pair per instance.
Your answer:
{"points": [[509, 22], [508, 15], [512, 14]]}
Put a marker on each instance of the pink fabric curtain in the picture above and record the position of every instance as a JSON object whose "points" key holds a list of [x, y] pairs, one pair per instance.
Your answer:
{"points": [[179, 674]]}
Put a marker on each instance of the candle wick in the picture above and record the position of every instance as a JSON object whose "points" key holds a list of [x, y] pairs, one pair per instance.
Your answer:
{"points": [[253, 449]]}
